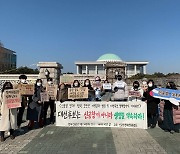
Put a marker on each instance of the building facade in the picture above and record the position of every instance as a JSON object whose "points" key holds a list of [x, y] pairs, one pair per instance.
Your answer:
{"points": [[7, 59], [100, 66]]}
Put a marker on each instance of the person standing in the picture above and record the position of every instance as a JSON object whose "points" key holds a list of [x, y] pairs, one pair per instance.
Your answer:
{"points": [[35, 108], [170, 113], [152, 105], [8, 120], [25, 99], [98, 88], [51, 104], [120, 90], [87, 84], [136, 88]]}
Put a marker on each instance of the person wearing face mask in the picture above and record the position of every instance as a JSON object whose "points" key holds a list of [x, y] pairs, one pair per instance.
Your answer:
{"points": [[120, 90], [170, 113], [35, 110], [50, 103], [136, 87], [8, 120], [76, 84], [25, 99], [152, 105], [62, 92], [87, 83], [97, 88], [107, 91]]}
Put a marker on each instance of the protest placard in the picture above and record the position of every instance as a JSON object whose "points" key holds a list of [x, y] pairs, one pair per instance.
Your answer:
{"points": [[44, 96], [52, 91], [133, 93], [78, 93], [97, 85], [102, 114], [107, 86], [12, 98], [26, 89]]}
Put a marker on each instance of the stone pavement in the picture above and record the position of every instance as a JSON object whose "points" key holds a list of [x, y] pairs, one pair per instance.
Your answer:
{"points": [[63, 140]]}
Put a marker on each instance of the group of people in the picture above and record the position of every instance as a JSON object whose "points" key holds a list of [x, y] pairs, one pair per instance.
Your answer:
{"points": [[36, 109], [118, 91]]}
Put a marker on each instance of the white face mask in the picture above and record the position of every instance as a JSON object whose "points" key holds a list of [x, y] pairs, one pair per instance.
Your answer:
{"points": [[76, 84], [150, 84], [49, 82], [23, 80], [87, 83], [39, 84], [144, 83]]}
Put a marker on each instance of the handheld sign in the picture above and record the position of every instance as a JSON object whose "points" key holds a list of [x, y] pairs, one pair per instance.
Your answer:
{"points": [[167, 94], [78, 93], [107, 86], [12, 98], [52, 91], [26, 89], [97, 85], [133, 93], [44, 97]]}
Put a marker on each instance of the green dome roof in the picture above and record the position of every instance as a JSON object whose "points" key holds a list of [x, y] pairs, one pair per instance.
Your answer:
{"points": [[109, 58]]}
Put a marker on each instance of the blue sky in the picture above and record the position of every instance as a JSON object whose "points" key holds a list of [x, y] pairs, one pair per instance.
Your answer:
{"points": [[82, 30]]}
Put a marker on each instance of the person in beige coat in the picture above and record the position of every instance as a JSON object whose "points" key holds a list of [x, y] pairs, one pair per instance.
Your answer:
{"points": [[8, 120]]}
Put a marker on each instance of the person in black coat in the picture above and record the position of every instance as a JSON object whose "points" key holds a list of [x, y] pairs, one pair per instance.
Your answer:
{"points": [[87, 83], [152, 105], [35, 108]]}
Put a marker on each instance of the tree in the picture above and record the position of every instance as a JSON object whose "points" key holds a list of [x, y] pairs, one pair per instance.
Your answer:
{"points": [[22, 70]]}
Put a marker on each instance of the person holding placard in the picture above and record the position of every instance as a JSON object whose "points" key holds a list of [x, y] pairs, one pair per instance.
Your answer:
{"points": [[35, 108], [87, 83], [50, 103], [98, 88], [170, 113], [62, 92], [9, 116], [136, 93], [152, 105], [107, 91], [120, 90], [76, 84], [25, 99]]}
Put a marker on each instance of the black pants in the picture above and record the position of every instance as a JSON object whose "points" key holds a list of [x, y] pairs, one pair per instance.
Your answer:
{"points": [[2, 132], [152, 119], [46, 106], [20, 115]]}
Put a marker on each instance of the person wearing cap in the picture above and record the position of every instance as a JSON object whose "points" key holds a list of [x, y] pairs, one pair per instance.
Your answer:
{"points": [[51, 104], [120, 90]]}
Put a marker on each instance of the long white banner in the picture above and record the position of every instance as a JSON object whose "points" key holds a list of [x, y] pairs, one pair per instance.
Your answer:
{"points": [[131, 114]]}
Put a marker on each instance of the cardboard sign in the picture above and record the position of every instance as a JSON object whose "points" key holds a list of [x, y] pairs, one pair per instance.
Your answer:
{"points": [[12, 98], [78, 93], [44, 97], [107, 86], [133, 93], [26, 89], [52, 91], [167, 94], [97, 85]]}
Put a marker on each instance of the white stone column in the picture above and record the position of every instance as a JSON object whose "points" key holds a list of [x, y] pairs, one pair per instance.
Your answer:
{"points": [[77, 69], [144, 69], [86, 69], [135, 69], [96, 69]]}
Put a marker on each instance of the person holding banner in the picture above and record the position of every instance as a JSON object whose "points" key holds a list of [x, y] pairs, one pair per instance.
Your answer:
{"points": [[8, 120], [50, 103], [120, 90], [152, 105], [170, 113], [35, 108], [87, 83]]}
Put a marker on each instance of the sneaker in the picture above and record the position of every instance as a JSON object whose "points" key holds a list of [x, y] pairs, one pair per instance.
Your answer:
{"points": [[172, 131]]}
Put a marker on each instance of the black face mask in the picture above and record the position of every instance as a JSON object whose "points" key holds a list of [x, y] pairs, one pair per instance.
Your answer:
{"points": [[168, 87], [136, 86], [8, 88], [119, 79]]}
